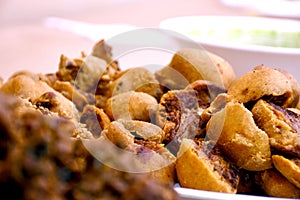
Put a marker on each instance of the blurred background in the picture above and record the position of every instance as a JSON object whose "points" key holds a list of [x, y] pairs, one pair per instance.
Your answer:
{"points": [[28, 43]]}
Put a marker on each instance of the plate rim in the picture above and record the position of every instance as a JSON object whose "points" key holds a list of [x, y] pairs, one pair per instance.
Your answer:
{"points": [[189, 193]]}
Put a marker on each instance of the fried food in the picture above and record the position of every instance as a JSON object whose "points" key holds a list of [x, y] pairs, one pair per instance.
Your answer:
{"points": [[147, 155], [103, 51], [190, 122], [41, 160], [40, 94], [131, 105], [199, 166], [95, 119], [85, 72], [274, 184], [136, 79], [189, 65], [206, 91], [179, 111], [289, 168], [70, 92], [281, 125], [234, 130], [265, 83], [144, 130]]}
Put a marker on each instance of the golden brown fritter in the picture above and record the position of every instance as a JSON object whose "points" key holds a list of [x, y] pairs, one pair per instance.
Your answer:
{"points": [[189, 65], [265, 83], [40, 94], [234, 130], [200, 166], [281, 125], [131, 105], [274, 184], [95, 119], [289, 168], [136, 79], [179, 111], [142, 147]]}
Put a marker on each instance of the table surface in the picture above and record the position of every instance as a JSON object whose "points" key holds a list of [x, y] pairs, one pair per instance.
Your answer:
{"points": [[26, 43]]}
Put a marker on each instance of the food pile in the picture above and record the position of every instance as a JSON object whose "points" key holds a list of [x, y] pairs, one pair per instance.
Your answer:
{"points": [[191, 122]]}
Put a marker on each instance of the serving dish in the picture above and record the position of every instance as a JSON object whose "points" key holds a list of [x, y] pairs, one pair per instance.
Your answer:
{"points": [[278, 8], [192, 194], [236, 38]]}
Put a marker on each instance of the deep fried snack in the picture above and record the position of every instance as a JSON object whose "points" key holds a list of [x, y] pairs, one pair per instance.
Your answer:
{"points": [[281, 125], [147, 156], [265, 83], [103, 51], [179, 110], [84, 72], [189, 65], [289, 168], [295, 85], [39, 159], [178, 116], [123, 132], [200, 166], [136, 79], [144, 130], [154, 160], [215, 106], [234, 130], [205, 91], [69, 91], [40, 94], [274, 184], [118, 135], [131, 105], [95, 119]]}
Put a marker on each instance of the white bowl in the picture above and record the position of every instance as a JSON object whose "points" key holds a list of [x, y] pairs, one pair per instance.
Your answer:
{"points": [[232, 37]]}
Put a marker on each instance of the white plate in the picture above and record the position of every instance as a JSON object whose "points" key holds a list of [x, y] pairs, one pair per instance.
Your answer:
{"points": [[278, 8], [240, 53], [189, 194]]}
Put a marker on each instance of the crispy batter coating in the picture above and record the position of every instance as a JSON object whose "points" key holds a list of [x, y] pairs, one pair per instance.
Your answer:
{"points": [[146, 154], [281, 125], [40, 94], [289, 168], [189, 65], [178, 116], [103, 51], [119, 135], [79, 98], [131, 105], [274, 184], [95, 119], [200, 166], [144, 130], [234, 129], [136, 79], [265, 83]]}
